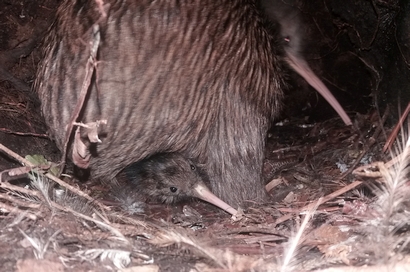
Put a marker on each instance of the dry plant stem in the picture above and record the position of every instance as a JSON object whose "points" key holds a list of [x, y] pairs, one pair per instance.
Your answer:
{"points": [[268, 231], [332, 196], [11, 187], [76, 191], [283, 218], [83, 216], [19, 202], [16, 172], [53, 178], [398, 158], [169, 237], [287, 149], [320, 201], [89, 70], [396, 129], [297, 239], [11, 209], [130, 230], [5, 130], [264, 238]]}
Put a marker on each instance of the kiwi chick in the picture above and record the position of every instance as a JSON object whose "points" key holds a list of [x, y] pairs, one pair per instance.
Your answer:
{"points": [[170, 177]]}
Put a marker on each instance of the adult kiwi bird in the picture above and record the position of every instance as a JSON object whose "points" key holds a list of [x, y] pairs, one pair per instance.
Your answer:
{"points": [[203, 78]]}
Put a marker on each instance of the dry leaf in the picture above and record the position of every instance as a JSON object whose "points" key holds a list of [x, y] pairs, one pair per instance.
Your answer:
{"points": [[81, 155]]}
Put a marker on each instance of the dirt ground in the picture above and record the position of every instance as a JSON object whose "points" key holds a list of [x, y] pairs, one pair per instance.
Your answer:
{"points": [[338, 201]]}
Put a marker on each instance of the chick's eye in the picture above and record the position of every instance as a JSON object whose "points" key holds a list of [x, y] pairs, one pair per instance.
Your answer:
{"points": [[173, 189], [193, 167]]}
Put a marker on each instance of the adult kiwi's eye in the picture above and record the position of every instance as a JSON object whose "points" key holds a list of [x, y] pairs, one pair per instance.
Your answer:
{"points": [[193, 167], [173, 189]]}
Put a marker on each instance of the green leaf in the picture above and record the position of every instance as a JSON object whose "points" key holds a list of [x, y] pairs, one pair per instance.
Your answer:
{"points": [[41, 160]]}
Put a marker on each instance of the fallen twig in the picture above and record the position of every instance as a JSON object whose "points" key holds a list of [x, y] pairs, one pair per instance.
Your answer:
{"points": [[53, 178]]}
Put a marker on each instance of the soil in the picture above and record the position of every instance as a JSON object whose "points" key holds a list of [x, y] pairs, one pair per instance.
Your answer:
{"points": [[332, 197]]}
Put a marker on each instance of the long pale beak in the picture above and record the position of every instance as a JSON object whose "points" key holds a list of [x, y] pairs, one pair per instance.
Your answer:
{"points": [[203, 193], [304, 70]]}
